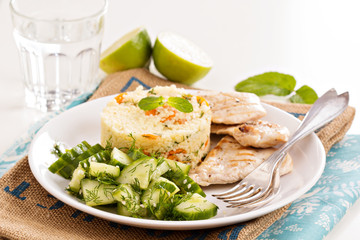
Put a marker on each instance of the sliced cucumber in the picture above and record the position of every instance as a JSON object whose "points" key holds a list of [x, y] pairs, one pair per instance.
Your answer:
{"points": [[70, 167], [119, 158], [128, 201], [102, 156], [178, 166], [69, 156], [196, 208], [158, 196], [184, 182], [96, 193], [124, 192], [97, 169], [141, 211], [67, 171], [78, 175], [160, 184], [138, 172], [161, 168], [136, 154]]}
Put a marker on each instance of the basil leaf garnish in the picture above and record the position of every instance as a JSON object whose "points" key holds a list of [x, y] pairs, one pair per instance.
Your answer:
{"points": [[305, 94], [181, 104], [150, 103], [275, 83]]}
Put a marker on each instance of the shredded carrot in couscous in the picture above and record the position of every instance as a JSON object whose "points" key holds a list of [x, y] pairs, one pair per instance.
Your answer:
{"points": [[180, 121], [173, 153], [151, 112], [179, 150], [150, 136], [120, 98], [168, 118]]}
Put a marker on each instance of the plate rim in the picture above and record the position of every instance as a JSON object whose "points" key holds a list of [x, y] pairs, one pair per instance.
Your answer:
{"points": [[172, 225]]}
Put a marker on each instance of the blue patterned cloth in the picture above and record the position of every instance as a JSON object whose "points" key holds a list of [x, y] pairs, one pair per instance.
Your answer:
{"points": [[311, 216]]}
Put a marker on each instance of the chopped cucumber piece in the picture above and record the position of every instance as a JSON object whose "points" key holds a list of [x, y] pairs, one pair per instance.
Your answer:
{"points": [[158, 196], [96, 193], [68, 170], [102, 156], [136, 154], [159, 184], [78, 175], [196, 208], [178, 166], [124, 192], [129, 201], [138, 172], [97, 169], [69, 156], [161, 168], [141, 211], [123, 210], [119, 158], [184, 182]]}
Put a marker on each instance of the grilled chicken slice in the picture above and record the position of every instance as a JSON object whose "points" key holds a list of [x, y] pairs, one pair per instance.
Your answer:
{"points": [[233, 108], [258, 134], [230, 162]]}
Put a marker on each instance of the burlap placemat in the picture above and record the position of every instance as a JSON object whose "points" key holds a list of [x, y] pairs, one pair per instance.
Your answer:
{"points": [[27, 211]]}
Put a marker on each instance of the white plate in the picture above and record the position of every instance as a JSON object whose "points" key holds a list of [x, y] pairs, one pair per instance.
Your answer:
{"points": [[83, 123]]}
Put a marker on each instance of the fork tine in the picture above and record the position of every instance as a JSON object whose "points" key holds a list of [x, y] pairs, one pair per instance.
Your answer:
{"points": [[258, 195], [252, 191], [233, 189], [254, 203], [260, 199], [253, 195], [253, 199], [244, 190]]}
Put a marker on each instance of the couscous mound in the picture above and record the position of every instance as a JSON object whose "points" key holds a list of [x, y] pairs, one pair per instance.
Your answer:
{"points": [[163, 130]]}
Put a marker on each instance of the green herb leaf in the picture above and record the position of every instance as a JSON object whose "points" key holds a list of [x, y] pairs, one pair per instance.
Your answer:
{"points": [[181, 104], [275, 83], [305, 94], [150, 103]]}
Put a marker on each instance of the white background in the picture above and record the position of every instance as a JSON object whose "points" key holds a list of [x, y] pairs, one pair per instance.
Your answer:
{"points": [[316, 41]]}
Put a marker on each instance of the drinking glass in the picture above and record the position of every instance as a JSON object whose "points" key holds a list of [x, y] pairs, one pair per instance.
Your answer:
{"points": [[59, 44]]}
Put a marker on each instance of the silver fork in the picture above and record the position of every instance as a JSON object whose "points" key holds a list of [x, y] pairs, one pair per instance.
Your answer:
{"points": [[265, 198], [259, 183]]}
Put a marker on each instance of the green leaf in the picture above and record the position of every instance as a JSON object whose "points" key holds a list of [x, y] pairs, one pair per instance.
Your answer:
{"points": [[305, 94], [181, 104], [150, 103], [275, 83]]}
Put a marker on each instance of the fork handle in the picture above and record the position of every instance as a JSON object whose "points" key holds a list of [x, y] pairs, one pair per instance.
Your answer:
{"points": [[325, 109]]}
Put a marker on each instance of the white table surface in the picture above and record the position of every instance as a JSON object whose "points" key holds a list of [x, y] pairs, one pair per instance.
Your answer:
{"points": [[316, 41]]}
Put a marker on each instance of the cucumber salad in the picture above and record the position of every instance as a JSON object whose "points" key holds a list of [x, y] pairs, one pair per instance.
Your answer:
{"points": [[136, 184]]}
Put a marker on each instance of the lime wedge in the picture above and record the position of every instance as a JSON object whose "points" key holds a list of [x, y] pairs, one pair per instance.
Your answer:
{"points": [[131, 51], [180, 60]]}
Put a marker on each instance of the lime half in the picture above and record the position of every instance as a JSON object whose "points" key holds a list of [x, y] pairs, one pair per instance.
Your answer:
{"points": [[131, 51], [180, 60]]}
